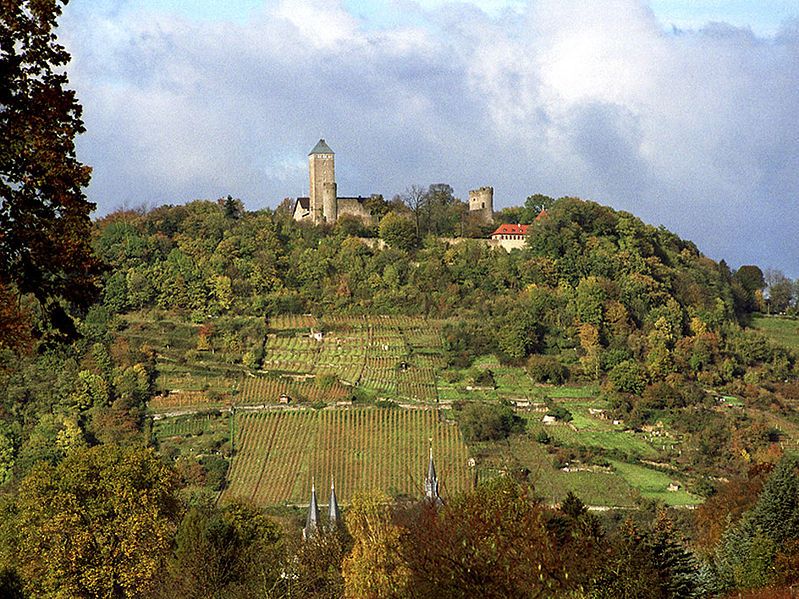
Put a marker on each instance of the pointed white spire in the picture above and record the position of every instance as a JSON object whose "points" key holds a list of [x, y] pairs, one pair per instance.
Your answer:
{"points": [[333, 513], [431, 482], [312, 522]]}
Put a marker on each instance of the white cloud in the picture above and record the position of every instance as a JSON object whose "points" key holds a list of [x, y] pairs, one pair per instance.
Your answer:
{"points": [[697, 130], [323, 23]]}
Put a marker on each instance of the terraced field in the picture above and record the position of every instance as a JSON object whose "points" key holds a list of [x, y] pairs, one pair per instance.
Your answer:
{"points": [[277, 453], [391, 355]]}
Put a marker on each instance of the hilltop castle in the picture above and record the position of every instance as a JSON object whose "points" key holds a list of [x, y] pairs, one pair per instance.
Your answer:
{"points": [[323, 203]]}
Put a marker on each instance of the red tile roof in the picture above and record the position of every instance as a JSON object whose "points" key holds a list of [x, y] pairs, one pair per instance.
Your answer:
{"points": [[507, 229]]}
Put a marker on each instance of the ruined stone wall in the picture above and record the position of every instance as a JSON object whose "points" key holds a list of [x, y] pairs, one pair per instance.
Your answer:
{"points": [[353, 207], [481, 203]]}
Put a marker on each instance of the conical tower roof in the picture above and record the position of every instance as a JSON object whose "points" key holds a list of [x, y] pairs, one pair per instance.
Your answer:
{"points": [[321, 148], [313, 519], [333, 513]]}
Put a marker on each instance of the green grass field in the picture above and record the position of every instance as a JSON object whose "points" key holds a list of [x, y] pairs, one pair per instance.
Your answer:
{"points": [[602, 488], [653, 484], [627, 442], [784, 331]]}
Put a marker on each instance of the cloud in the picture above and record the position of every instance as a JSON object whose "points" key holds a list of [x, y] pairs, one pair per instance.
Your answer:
{"points": [[696, 130]]}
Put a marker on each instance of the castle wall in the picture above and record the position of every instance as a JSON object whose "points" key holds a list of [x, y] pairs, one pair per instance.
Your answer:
{"points": [[354, 207], [481, 203], [505, 244]]}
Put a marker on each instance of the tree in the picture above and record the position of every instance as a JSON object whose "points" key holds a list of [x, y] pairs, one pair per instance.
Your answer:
{"points": [[726, 507], [752, 282], [780, 291], [533, 206], [492, 543], [233, 207], [397, 231], [315, 566], [228, 552], [748, 548], [97, 525], [374, 568], [415, 198], [488, 422], [442, 210], [44, 217], [628, 377], [646, 563]]}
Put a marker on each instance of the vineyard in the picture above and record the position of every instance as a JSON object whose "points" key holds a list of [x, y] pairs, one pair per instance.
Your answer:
{"points": [[309, 358], [394, 355], [278, 452], [255, 390], [269, 389], [194, 425]]}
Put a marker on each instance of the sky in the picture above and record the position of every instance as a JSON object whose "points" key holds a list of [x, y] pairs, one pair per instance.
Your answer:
{"points": [[683, 112]]}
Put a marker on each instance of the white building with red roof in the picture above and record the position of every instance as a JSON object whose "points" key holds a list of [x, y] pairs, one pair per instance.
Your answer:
{"points": [[513, 237], [509, 236]]}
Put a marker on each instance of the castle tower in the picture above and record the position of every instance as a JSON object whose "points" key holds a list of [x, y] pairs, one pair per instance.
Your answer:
{"points": [[313, 519], [333, 513], [322, 191], [431, 482], [481, 203], [329, 201]]}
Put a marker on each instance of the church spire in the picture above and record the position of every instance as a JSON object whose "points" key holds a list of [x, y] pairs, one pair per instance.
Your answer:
{"points": [[312, 522], [431, 482], [333, 513]]}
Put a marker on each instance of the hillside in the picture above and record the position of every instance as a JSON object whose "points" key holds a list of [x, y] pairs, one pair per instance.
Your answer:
{"points": [[238, 308], [238, 357]]}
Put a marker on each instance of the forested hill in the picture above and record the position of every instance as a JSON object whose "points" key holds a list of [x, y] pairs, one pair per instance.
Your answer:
{"points": [[207, 258], [597, 288]]}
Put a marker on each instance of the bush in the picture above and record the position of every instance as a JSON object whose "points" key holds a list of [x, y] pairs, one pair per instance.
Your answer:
{"points": [[464, 340], [326, 381], [628, 377], [488, 422], [561, 413], [215, 471], [546, 369], [485, 378], [398, 232]]}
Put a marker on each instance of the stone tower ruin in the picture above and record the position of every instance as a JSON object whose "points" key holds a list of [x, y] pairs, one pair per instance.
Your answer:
{"points": [[322, 170], [481, 204]]}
